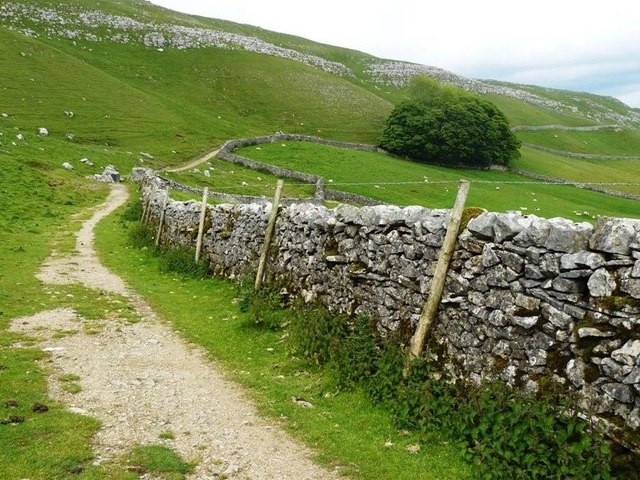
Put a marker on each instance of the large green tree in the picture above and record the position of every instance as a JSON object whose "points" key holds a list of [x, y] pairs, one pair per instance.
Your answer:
{"points": [[446, 125]]}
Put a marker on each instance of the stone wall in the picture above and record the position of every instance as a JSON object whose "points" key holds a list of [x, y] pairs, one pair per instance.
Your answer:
{"points": [[226, 153], [526, 299]]}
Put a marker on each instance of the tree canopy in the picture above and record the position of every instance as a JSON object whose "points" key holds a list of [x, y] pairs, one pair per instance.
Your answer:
{"points": [[447, 125]]}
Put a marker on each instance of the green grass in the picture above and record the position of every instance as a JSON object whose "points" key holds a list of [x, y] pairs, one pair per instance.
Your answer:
{"points": [[582, 170], [158, 459], [344, 428], [523, 113], [37, 201], [231, 178], [602, 142], [346, 167]]}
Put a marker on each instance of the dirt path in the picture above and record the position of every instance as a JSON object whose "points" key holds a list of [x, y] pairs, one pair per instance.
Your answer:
{"points": [[141, 380], [195, 162]]}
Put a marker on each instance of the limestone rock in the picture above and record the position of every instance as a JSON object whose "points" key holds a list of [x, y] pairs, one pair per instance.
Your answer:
{"points": [[483, 224], [537, 358], [557, 317], [43, 132], [535, 234], [570, 261], [614, 235], [630, 286], [586, 332], [508, 225], [67, 165], [618, 391], [635, 272], [575, 372], [633, 377], [489, 257], [567, 285], [567, 236], [601, 283], [627, 354], [526, 322], [109, 175]]}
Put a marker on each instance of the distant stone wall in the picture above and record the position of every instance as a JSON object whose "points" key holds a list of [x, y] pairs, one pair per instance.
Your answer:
{"points": [[588, 156], [589, 128], [586, 186], [526, 299], [322, 193]]}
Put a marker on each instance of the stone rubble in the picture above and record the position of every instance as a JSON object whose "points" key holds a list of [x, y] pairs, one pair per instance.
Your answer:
{"points": [[108, 175]]}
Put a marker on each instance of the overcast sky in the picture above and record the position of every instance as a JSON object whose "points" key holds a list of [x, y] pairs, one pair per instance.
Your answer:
{"points": [[579, 45]]}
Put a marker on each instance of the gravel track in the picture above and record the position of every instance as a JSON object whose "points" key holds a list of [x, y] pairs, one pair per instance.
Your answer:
{"points": [[142, 379]]}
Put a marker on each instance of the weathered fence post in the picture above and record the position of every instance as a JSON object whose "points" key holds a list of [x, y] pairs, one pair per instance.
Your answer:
{"points": [[145, 210], [268, 235], [164, 207], [203, 213], [439, 277]]}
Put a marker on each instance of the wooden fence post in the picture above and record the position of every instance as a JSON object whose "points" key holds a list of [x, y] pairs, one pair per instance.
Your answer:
{"points": [[268, 235], [164, 207], [203, 213], [147, 213], [145, 210], [439, 277]]}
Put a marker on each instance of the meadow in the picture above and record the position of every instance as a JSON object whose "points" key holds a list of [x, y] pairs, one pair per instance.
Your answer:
{"points": [[404, 182], [601, 142]]}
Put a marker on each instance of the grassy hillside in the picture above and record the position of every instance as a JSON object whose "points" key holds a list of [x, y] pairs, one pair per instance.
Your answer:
{"points": [[602, 142], [374, 175], [583, 170]]}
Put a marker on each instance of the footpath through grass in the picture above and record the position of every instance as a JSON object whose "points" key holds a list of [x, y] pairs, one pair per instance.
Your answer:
{"points": [[343, 427], [373, 174], [42, 206]]}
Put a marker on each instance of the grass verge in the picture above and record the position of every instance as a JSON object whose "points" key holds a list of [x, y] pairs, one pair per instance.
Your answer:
{"points": [[344, 428]]}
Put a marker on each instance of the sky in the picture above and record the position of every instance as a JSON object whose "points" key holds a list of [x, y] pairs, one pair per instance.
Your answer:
{"points": [[584, 45]]}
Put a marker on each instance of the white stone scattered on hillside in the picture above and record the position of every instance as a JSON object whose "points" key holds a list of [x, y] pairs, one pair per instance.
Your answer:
{"points": [[67, 165], [4, 115], [20, 136], [68, 114], [109, 175], [207, 173], [43, 132], [70, 136]]}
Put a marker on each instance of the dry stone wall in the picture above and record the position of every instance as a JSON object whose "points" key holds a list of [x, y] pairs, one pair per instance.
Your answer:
{"points": [[527, 300], [322, 193]]}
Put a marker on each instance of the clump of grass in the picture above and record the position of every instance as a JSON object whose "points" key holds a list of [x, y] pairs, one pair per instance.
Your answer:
{"points": [[266, 308], [72, 387], [182, 262], [170, 260], [158, 459], [506, 433], [68, 377], [167, 435], [69, 383]]}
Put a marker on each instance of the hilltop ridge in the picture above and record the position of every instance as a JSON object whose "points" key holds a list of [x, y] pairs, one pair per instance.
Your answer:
{"points": [[140, 23]]}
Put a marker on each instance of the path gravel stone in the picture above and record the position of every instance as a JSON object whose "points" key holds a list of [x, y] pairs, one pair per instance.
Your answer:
{"points": [[142, 379]]}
